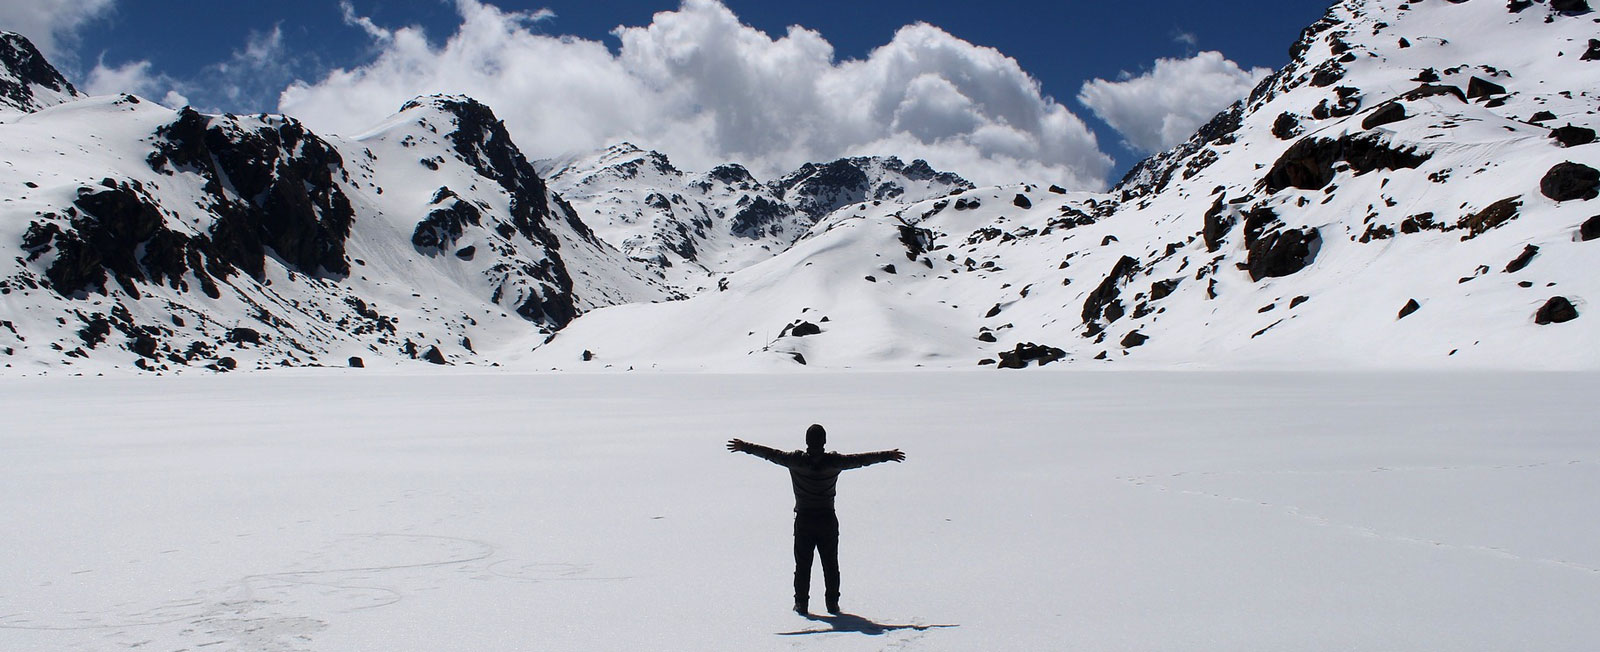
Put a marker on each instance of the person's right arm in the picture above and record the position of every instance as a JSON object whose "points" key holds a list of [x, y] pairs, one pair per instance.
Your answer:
{"points": [[773, 455]]}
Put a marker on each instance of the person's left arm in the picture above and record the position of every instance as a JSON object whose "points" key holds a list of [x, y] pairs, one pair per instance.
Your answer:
{"points": [[859, 460]]}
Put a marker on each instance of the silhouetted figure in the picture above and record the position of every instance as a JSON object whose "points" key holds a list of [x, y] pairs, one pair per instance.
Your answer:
{"points": [[814, 474]]}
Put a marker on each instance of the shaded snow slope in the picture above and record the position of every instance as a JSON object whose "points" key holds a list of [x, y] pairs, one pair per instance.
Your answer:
{"points": [[1416, 188]]}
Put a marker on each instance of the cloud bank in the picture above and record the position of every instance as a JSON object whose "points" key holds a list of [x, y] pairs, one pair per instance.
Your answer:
{"points": [[52, 25], [705, 88], [1165, 105]]}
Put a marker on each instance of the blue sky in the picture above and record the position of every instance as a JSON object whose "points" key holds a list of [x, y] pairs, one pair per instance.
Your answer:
{"points": [[240, 56]]}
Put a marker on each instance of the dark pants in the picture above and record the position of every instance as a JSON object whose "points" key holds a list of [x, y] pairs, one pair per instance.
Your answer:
{"points": [[817, 531]]}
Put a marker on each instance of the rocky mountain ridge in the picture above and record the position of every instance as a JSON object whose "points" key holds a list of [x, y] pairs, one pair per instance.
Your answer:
{"points": [[1414, 189], [692, 229]]}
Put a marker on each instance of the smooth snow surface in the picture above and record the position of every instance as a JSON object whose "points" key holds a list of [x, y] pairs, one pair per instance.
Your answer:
{"points": [[335, 510]]}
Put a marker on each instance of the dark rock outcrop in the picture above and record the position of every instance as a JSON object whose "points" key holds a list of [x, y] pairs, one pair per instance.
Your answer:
{"points": [[1410, 307], [1286, 126], [1308, 164], [1385, 114], [1103, 302], [444, 225], [1521, 261], [1027, 353], [1480, 88], [1570, 136], [272, 185], [1490, 217], [1275, 251], [1555, 311], [1567, 181], [1593, 53], [1590, 229]]}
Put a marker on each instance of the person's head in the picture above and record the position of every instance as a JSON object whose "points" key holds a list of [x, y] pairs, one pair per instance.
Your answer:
{"points": [[816, 437]]}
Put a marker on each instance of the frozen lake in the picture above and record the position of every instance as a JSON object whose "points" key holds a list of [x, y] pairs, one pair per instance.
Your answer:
{"points": [[348, 511]]}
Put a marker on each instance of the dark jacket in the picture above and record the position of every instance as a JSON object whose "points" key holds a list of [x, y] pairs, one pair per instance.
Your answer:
{"points": [[814, 476]]}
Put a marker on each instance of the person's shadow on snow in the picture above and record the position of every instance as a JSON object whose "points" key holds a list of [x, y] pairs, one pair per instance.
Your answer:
{"points": [[853, 624]]}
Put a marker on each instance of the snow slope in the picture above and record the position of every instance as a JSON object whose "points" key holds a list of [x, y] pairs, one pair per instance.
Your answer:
{"points": [[691, 229], [334, 510], [1416, 189]]}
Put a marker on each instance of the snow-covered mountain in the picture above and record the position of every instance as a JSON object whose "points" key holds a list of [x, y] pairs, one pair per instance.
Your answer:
{"points": [[690, 229], [146, 237], [1414, 189], [27, 81]]}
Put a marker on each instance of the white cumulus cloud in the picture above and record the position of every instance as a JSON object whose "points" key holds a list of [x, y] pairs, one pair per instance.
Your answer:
{"points": [[700, 85], [51, 24], [1165, 105]]}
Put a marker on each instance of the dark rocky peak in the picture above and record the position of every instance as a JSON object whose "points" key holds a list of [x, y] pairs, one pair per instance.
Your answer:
{"points": [[919, 170], [24, 72], [731, 174], [481, 141], [843, 174]]}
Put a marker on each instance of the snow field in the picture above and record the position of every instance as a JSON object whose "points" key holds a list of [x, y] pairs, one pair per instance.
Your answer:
{"points": [[336, 510]]}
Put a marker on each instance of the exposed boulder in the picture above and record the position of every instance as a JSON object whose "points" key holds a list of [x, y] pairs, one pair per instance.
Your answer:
{"points": [[1410, 307], [1286, 126], [1021, 201], [1521, 261], [1027, 353], [1567, 181], [1570, 136], [1275, 251], [1593, 53], [1385, 114], [1570, 6], [1133, 339], [1480, 88], [434, 355], [1555, 311], [1490, 217], [242, 335], [1590, 229]]}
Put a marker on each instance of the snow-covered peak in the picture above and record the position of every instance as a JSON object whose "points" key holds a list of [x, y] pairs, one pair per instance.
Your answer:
{"points": [[818, 189], [27, 81]]}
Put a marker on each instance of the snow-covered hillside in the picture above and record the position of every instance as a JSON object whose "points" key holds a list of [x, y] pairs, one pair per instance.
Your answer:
{"points": [[1415, 188], [143, 237], [690, 229]]}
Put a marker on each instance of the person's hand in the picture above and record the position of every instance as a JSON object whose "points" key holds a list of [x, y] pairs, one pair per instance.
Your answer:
{"points": [[897, 456], [738, 446]]}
